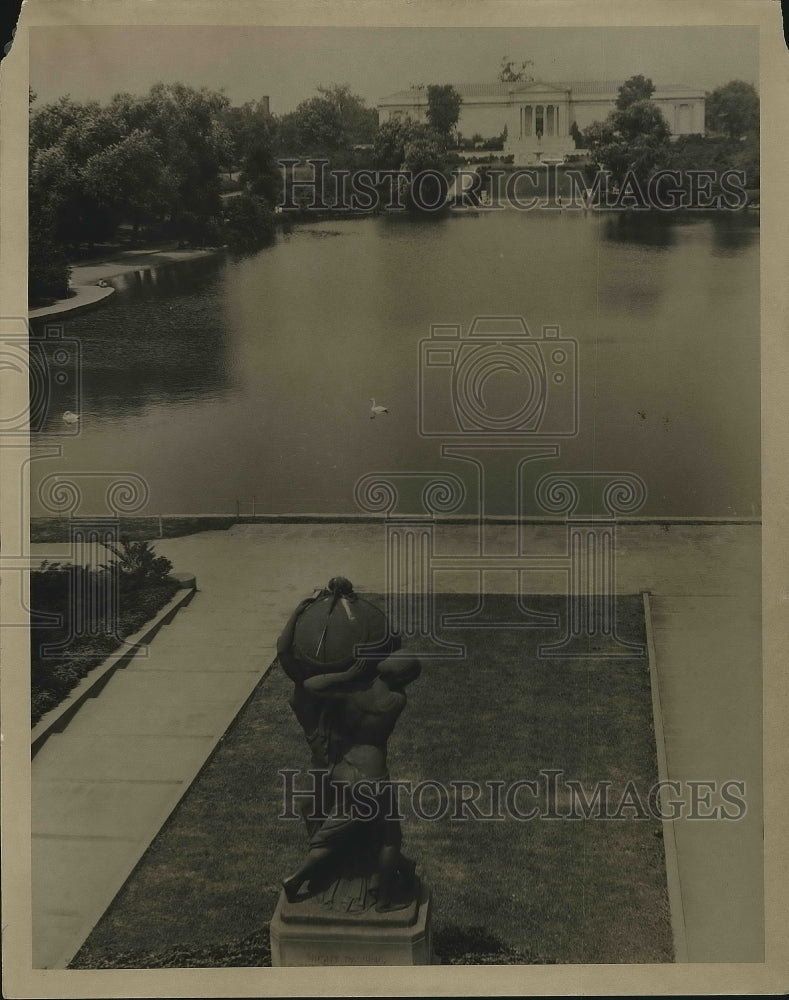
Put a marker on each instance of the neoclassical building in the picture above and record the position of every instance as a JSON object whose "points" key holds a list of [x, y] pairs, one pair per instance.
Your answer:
{"points": [[538, 116]]}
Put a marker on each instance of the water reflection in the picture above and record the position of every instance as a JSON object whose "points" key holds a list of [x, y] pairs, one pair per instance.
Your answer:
{"points": [[732, 233], [160, 339], [646, 229]]}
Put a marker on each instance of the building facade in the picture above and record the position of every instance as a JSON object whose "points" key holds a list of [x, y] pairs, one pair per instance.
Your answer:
{"points": [[538, 116]]}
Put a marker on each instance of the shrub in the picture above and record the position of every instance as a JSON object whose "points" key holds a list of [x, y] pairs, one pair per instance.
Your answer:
{"points": [[248, 222], [136, 564], [143, 588], [48, 270]]}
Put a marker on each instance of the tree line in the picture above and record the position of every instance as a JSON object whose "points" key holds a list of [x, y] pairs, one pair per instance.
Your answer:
{"points": [[158, 163], [636, 139]]}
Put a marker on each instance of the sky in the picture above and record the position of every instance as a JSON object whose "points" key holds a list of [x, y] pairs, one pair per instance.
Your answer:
{"points": [[287, 64]]}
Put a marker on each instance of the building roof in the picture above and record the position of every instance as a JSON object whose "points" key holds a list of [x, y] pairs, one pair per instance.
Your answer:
{"points": [[496, 89], [592, 88], [611, 87]]}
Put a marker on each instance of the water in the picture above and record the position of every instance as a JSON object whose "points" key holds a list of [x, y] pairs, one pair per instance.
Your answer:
{"points": [[220, 379]]}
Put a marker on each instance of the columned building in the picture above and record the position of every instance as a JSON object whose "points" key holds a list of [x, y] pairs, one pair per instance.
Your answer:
{"points": [[538, 116]]}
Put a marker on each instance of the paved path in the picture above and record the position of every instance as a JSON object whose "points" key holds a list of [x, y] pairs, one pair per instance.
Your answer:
{"points": [[83, 297], [104, 786], [84, 286]]}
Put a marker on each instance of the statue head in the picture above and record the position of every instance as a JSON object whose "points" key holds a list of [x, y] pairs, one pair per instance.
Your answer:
{"points": [[341, 586]]}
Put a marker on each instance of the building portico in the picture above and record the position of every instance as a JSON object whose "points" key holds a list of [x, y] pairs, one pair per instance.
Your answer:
{"points": [[536, 117], [538, 124]]}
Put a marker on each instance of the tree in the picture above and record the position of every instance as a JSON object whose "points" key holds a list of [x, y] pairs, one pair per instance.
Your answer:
{"points": [[129, 178], [509, 74], [637, 88], [733, 110], [424, 150], [634, 137], [150, 158], [389, 144], [443, 108], [254, 142], [334, 121], [193, 148]]}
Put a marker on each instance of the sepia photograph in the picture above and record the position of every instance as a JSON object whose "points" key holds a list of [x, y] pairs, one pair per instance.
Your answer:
{"points": [[384, 478]]}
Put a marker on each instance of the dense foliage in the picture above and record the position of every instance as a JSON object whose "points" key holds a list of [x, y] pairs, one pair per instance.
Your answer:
{"points": [[67, 638], [733, 110], [148, 163], [636, 139]]}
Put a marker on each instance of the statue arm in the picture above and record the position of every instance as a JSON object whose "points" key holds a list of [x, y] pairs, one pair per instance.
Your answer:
{"points": [[338, 685]]}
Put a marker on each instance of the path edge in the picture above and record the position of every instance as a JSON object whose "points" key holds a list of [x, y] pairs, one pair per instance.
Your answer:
{"points": [[56, 720], [79, 938], [673, 882]]}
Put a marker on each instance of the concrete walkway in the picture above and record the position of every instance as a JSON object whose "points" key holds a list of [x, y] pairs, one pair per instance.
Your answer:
{"points": [[104, 786], [85, 289], [84, 296]]}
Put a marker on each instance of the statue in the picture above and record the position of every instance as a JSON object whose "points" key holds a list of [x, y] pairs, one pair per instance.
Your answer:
{"points": [[348, 693]]}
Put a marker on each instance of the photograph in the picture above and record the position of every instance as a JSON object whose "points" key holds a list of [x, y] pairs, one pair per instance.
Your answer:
{"points": [[385, 472]]}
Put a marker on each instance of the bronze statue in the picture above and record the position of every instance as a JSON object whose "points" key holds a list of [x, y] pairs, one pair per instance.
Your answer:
{"points": [[348, 693]]}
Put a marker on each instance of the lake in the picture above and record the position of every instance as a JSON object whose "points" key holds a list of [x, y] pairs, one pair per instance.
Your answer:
{"points": [[223, 379]]}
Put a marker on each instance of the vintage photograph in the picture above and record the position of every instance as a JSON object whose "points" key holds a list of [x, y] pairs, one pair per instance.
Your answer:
{"points": [[394, 495]]}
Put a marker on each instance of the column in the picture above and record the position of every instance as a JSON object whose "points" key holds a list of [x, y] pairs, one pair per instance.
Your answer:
{"points": [[93, 596]]}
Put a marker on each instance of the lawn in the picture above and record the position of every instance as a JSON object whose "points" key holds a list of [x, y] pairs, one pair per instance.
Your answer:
{"points": [[539, 890]]}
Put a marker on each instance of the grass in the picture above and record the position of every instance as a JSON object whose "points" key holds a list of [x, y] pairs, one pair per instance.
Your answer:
{"points": [[509, 891]]}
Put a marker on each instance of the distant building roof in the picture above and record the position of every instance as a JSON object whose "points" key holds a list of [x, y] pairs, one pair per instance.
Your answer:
{"points": [[611, 87], [603, 88]]}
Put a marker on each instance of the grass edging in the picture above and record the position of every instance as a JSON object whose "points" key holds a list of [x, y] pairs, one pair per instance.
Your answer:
{"points": [[673, 883], [58, 718]]}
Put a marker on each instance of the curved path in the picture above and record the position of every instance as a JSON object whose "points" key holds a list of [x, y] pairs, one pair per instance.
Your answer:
{"points": [[86, 292]]}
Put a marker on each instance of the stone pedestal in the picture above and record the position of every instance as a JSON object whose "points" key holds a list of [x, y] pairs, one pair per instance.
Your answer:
{"points": [[307, 933]]}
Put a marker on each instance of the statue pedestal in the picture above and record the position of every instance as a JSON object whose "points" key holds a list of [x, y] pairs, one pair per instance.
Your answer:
{"points": [[307, 933]]}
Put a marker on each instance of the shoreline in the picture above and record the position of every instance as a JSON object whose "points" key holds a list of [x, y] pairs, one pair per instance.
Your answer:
{"points": [[85, 278]]}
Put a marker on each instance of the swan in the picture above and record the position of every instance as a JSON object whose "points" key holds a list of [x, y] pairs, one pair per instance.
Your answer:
{"points": [[376, 411], [69, 417]]}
